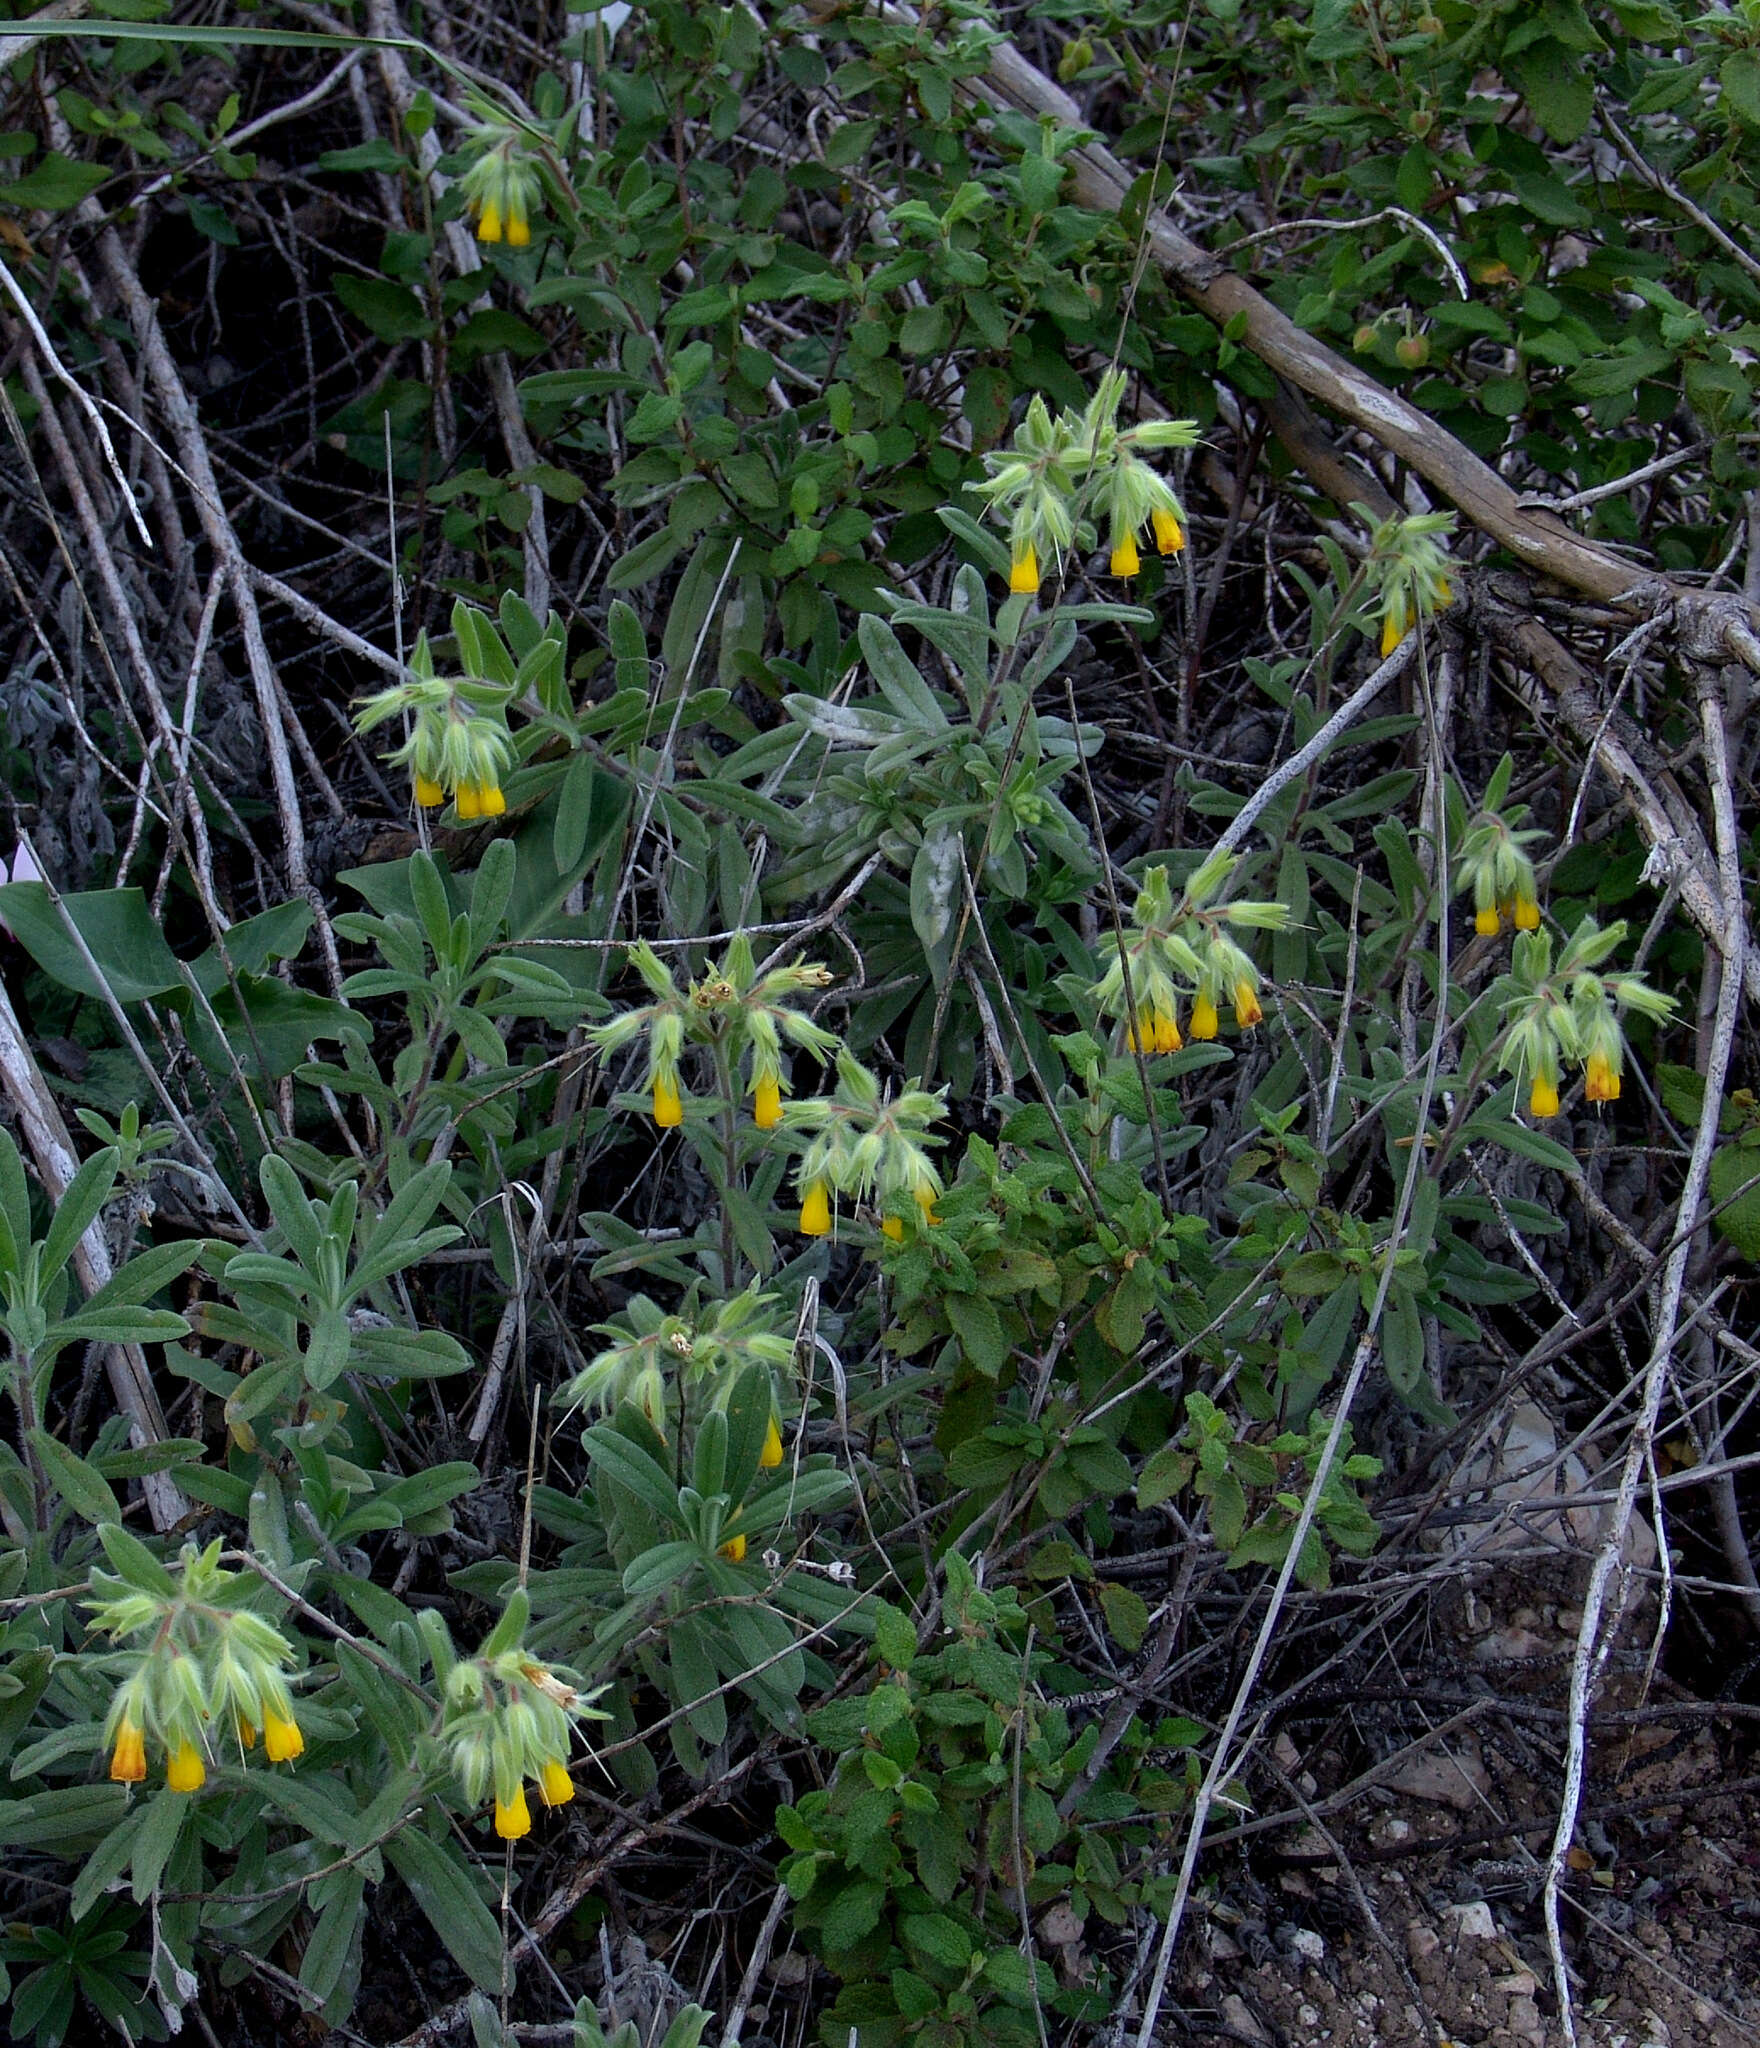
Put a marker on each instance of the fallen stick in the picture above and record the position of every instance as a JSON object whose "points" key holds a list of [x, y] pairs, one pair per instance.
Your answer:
{"points": [[1541, 541]]}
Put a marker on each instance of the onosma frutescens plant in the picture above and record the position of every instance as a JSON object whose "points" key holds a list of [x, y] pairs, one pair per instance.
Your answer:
{"points": [[865, 1102]]}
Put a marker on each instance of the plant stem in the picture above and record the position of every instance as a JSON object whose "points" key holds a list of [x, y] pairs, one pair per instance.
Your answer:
{"points": [[729, 1162], [24, 1396]]}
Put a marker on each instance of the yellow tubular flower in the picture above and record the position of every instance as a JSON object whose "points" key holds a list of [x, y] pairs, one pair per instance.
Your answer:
{"points": [[1203, 1017], [555, 1786], [1023, 572], [519, 233], [468, 800], [1247, 1012], [1527, 914], [513, 1817], [1392, 633], [926, 1202], [128, 1760], [490, 802], [1600, 1082], [771, 1455], [1169, 534], [282, 1739], [1487, 924], [186, 1772], [815, 1210], [1543, 1097], [893, 1227], [767, 1103], [489, 230], [668, 1103], [1125, 559], [734, 1549], [429, 794], [247, 1735], [1167, 1038]]}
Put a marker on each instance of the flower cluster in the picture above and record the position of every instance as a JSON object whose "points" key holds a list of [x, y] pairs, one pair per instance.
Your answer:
{"points": [[1063, 472], [1407, 571], [1570, 1014], [208, 1664], [1183, 949], [1494, 864], [731, 1011], [458, 744], [704, 1345], [868, 1146], [509, 1718], [502, 182]]}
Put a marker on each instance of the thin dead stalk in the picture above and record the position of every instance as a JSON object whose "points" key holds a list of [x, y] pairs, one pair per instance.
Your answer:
{"points": [[1594, 1643]]}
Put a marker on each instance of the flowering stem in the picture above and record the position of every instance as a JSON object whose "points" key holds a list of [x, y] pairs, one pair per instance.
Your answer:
{"points": [[729, 1162], [24, 1395], [430, 1058]]}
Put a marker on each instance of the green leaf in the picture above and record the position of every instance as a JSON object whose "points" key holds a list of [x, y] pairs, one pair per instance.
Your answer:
{"points": [[422, 1492], [697, 1679], [848, 144], [377, 155], [314, 1805], [627, 1463], [453, 1907], [82, 1487], [53, 185], [104, 1867], [643, 562], [1402, 1342], [935, 894], [1738, 1223], [1127, 1615], [119, 931], [687, 2030], [1312, 1273], [494, 331], [332, 1941], [1739, 75], [78, 1209], [1013, 1977], [1228, 1508], [154, 1841], [327, 1355], [978, 1326], [1521, 1140], [923, 330], [144, 1275], [1649, 21], [391, 312], [656, 1569], [1602, 376], [982, 1463], [72, 1813], [854, 1912], [895, 1638], [944, 1941], [27, 1675], [1163, 1475], [1683, 1093], [133, 1561], [1559, 92], [749, 1409], [901, 681]]}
